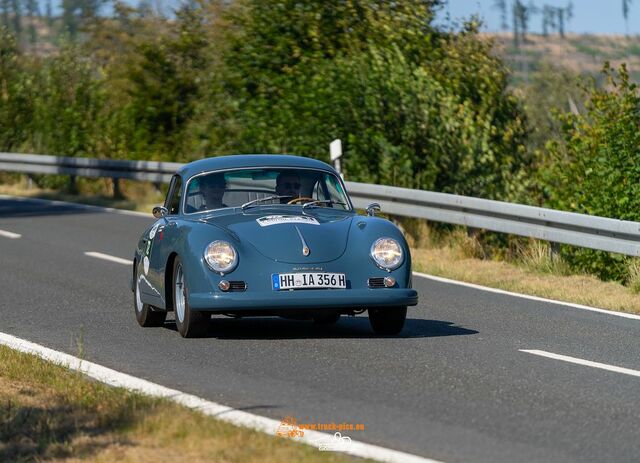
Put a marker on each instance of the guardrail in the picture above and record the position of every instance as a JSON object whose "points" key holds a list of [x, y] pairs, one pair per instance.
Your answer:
{"points": [[581, 230], [151, 171]]}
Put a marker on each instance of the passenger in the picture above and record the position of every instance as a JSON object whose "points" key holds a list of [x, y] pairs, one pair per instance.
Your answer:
{"points": [[213, 187], [288, 185]]}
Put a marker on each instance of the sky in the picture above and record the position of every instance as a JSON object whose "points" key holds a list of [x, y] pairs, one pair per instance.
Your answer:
{"points": [[589, 16]]}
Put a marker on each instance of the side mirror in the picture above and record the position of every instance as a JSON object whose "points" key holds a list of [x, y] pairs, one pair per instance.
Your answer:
{"points": [[160, 211], [372, 209]]}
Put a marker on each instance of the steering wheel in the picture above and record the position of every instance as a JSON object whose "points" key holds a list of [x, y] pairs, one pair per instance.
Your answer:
{"points": [[300, 199]]}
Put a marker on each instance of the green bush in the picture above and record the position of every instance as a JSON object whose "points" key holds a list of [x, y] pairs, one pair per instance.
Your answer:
{"points": [[593, 166], [16, 109]]}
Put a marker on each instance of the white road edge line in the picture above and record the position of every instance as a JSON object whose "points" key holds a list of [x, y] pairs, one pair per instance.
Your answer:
{"points": [[99, 255], [11, 235], [218, 411], [588, 363], [526, 296]]}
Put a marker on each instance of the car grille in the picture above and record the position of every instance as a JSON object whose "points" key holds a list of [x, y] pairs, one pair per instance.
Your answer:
{"points": [[377, 282], [237, 286]]}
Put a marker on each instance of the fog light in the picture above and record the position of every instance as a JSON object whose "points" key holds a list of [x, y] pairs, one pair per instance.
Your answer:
{"points": [[224, 285], [389, 281]]}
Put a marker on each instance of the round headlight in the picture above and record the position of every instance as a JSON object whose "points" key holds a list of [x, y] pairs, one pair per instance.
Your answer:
{"points": [[387, 253], [221, 257]]}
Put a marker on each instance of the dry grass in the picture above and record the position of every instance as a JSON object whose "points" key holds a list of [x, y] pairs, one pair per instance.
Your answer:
{"points": [[50, 413], [537, 256], [581, 53], [634, 276], [527, 279]]}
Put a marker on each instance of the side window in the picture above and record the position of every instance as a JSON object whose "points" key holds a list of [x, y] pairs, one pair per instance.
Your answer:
{"points": [[317, 191], [172, 202], [335, 191]]}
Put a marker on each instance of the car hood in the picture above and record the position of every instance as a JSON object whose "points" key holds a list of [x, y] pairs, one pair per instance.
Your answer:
{"points": [[281, 236]]}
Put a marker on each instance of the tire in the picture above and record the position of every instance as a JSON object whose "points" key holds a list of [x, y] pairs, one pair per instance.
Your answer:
{"points": [[387, 320], [190, 324], [328, 318], [145, 314]]}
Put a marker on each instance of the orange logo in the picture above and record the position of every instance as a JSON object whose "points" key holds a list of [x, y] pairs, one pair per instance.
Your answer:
{"points": [[289, 428]]}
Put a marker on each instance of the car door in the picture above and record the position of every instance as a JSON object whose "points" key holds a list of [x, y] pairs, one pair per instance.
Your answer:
{"points": [[161, 237]]}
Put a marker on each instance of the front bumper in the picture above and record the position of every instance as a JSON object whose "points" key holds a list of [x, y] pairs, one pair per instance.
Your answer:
{"points": [[303, 299]]}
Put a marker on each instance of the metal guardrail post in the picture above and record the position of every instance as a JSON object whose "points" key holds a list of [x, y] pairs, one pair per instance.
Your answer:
{"points": [[117, 193], [73, 186]]}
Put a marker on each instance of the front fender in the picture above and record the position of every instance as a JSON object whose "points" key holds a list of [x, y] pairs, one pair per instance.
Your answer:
{"points": [[365, 231], [190, 243]]}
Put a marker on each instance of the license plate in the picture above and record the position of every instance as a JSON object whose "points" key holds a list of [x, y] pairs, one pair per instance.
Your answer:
{"points": [[308, 280]]}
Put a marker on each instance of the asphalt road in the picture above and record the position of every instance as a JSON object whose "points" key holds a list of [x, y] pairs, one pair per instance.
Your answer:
{"points": [[454, 386]]}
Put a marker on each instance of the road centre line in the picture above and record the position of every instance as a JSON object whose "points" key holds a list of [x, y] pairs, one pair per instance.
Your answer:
{"points": [[526, 296], [10, 235], [418, 274], [99, 255], [577, 361], [218, 411]]}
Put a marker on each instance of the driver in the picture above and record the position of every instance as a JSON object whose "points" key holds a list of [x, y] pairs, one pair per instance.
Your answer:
{"points": [[288, 184], [213, 187]]}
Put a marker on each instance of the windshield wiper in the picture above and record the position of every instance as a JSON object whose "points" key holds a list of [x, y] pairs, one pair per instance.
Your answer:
{"points": [[322, 201], [266, 198]]}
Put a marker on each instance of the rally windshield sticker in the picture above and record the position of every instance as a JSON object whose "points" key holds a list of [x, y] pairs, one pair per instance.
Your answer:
{"points": [[280, 219]]}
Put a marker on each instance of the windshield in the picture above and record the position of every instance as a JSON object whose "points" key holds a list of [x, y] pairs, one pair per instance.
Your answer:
{"points": [[254, 187]]}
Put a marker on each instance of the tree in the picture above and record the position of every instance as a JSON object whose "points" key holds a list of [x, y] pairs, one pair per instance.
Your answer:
{"points": [[16, 9], [556, 18], [89, 9], [521, 16], [49, 13], [626, 4], [70, 21], [32, 13], [548, 19], [5, 6], [502, 6], [414, 106]]}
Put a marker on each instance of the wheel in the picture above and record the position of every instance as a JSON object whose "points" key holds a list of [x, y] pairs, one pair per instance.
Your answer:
{"points": [[145, 314], [190, 324], [387, 320], [328, 318]]}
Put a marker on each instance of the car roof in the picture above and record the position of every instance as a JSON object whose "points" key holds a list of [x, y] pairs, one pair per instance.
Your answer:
{"points": [[239, 161]]}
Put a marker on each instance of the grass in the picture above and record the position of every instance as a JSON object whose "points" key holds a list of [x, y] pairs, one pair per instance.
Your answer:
{"points": [[536, 272], [48, 412]]}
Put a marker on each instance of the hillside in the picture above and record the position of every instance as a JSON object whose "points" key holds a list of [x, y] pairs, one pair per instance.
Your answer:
{"points": [[580, 53]]}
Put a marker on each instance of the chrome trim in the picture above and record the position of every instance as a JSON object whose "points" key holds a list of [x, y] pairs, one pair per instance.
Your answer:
{"points": [[305, 249]]}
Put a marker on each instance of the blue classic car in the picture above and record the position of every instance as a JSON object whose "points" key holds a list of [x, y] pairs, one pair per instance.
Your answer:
{"points": [[263, 235]]}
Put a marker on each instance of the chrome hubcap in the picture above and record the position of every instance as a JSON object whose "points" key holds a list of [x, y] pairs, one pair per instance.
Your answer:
{"points": [[179, 294], [139, 304]]}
